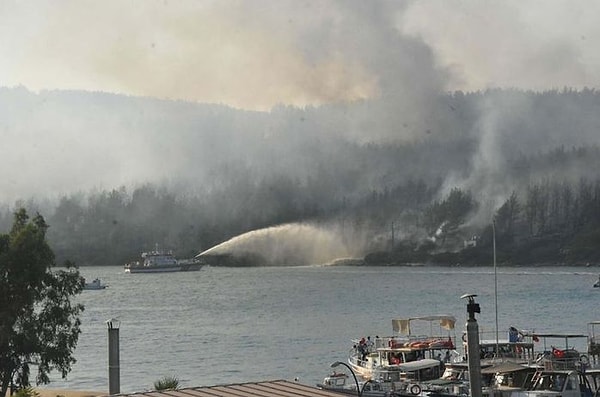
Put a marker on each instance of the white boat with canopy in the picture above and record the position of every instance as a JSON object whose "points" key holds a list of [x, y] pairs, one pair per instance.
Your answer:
{"points": [[415, 338]]}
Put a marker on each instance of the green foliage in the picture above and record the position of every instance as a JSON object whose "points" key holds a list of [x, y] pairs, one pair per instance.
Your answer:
{"points": [[26, 392], [39, 326], [166, 383]]}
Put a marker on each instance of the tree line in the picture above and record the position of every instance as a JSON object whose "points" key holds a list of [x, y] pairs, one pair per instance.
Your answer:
{"points": [[550, 223]]}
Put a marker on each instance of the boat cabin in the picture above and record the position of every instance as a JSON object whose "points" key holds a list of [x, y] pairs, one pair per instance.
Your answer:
{"points": [[335, 380], [594, 342], [559, 383], [519, 346], [343, 383], [564, 357], [410, 377], [504, 348], [506, 378]]}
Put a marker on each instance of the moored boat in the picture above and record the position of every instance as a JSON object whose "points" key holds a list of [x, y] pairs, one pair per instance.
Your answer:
{"points": [[94, 284], [404, 382], [389, 352]]}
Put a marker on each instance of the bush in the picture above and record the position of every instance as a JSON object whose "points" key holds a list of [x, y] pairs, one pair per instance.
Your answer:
{"points": [[26, 392], [166, 383]]}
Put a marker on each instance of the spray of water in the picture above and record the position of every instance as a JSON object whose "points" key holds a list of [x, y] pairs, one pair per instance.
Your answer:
{"points": [[289, 244]]}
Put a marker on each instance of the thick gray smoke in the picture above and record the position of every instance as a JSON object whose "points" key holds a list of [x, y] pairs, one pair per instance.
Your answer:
{"points": [[231, 93], [349, 55]]}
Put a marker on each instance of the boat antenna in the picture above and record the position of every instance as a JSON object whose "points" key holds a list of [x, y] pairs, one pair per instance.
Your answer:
{"points": [[495, 281]]}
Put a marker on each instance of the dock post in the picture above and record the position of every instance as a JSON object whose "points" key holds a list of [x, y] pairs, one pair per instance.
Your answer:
{"points": [[114, 381]]}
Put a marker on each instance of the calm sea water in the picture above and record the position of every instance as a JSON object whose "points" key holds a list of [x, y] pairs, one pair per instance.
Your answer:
{"points": [[230, 325]]}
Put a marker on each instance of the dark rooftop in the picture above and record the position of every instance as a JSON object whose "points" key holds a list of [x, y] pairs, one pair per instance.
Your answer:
{"points": [[275, 388]]}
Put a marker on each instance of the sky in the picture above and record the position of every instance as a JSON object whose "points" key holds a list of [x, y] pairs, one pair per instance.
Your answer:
{"points": [[256, 54]]}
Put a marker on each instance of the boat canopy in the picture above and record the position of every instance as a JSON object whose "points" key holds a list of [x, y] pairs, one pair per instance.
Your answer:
{"points": [[560, 335], [402, 325], [419, 364], [505, 367]]}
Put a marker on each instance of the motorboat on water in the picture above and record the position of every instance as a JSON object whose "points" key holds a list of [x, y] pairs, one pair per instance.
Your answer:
{"points": [[94, 285], [512, 369], [407, 379], [162, 261], [563, 383], [526, 364], [343, 383], [408, 344]]}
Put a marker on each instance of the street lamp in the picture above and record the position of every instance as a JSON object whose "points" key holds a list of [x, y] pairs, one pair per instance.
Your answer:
{"points": [[337, 363], [114, 382], [473, 346]]}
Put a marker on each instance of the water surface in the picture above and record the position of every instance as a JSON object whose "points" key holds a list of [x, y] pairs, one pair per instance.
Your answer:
{"points": [[230, 325]]}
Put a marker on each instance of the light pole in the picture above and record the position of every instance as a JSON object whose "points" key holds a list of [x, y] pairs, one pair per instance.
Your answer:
{"points": [[114, 381], [473, 346], [335, 364]]}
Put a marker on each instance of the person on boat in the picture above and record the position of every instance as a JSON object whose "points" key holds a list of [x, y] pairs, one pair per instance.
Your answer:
{"points": [[447, 357], [556, 383], [362, 349], [370, 344]]}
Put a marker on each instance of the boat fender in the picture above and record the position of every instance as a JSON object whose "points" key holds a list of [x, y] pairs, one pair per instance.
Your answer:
{"points": [[415, 390]]}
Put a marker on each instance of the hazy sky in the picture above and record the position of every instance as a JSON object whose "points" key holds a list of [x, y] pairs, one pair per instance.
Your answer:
{"points": [[253, 55], [257, 53]]}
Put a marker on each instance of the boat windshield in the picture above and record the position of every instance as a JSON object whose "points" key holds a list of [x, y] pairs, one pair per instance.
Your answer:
{"points": [[555, 382]]}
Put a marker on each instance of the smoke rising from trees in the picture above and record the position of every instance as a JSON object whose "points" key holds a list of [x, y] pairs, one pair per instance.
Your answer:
{"points": [[269, 113]]}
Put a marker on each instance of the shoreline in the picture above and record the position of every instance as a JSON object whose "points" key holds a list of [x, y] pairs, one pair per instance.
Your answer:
{"points": [[42, 392]]}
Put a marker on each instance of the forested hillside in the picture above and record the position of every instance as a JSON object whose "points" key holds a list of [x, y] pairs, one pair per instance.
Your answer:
{"points": [[394, 192]]}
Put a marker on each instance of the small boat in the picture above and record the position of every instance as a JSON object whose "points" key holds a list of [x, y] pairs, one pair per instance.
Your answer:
{"points": [[564, 383], [597, 285], [94, 284], [162, 261], [343, 383], [390, 352], [407, 379]]}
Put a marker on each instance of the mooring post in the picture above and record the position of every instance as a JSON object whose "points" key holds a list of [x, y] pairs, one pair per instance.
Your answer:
{"points": [[114, 381]]}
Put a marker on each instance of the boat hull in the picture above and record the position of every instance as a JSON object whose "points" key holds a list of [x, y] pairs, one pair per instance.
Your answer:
{"points": [[163, 269], [162, 261], [152, 269]]}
